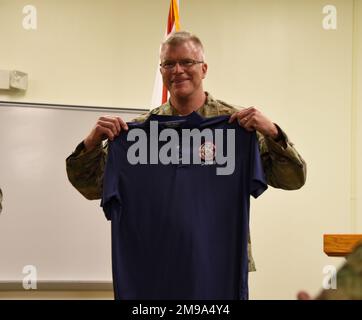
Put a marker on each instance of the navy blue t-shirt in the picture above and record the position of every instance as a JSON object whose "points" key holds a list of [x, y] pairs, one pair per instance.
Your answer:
{"points": [[180, 230]]}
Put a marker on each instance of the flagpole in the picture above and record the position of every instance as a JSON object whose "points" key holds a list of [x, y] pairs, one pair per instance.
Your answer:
{"points": [[160, 93]]}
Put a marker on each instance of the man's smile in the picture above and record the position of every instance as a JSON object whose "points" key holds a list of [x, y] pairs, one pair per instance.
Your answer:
{"points": [[179, 81]]}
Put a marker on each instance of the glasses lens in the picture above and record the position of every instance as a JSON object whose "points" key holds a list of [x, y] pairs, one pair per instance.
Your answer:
{"points": [[168, 64]]}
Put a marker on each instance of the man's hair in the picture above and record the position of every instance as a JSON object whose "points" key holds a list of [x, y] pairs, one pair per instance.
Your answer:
{"points": [[179, 37]]}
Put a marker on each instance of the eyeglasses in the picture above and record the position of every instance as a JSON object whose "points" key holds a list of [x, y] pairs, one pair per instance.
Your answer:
{"points": [[184, 63]]}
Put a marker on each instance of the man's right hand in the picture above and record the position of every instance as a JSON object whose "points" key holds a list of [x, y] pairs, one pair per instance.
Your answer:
{"points": [[107, 127]]}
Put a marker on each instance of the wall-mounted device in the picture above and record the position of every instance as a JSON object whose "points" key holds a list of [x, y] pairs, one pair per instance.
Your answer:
{"points": [[13, 79]]}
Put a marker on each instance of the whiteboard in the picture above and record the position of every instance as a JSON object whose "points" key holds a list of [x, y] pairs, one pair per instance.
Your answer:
{"points": [[46, 222]]}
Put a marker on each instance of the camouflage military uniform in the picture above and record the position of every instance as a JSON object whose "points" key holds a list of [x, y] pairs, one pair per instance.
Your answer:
{"points": [[349, 279], [284, 167]]}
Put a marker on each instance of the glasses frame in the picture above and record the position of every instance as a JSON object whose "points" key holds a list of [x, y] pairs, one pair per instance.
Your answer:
{"points": [[182, 65]]}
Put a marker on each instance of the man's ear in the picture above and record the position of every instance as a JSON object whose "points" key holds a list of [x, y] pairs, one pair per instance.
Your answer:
{"points": [[204, 70]]}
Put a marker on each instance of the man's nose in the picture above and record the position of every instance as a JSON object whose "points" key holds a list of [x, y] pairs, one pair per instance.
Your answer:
{"points": [[178, 68]]}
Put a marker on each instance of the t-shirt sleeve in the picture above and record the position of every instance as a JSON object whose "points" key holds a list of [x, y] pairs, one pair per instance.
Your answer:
{"points": [[111, 198], [258, 182]]}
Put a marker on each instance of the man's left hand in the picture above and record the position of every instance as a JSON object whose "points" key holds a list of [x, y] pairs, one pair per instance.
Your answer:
{"points": [[252, 119]]}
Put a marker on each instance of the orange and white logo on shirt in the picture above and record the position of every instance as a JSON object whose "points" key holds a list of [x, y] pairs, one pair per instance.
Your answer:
{"points": [[207, 151]]}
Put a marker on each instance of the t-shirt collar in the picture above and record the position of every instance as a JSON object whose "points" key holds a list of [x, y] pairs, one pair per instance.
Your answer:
{"points": [[191, 120]]}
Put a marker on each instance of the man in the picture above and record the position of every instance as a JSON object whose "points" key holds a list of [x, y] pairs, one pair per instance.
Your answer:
{"points": [[348, 281], [183, 69]]}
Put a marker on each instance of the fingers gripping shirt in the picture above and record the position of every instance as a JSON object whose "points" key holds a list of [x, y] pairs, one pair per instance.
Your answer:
{"points": [[180, 230]]}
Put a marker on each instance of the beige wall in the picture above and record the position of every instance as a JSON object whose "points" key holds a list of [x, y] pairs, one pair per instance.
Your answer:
{"points": [[85, 52], [357, 134], [273, 54]]}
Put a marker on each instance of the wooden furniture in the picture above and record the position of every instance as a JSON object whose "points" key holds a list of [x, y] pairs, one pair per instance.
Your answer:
{"points": [[340, 245]]}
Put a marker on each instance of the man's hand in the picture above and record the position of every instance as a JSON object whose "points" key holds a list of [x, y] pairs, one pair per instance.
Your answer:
{"points": [[107, 127], [252, 119], [302, 295]]}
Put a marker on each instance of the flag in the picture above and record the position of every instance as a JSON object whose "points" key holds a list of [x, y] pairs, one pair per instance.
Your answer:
{"points": [[159, 95]]}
